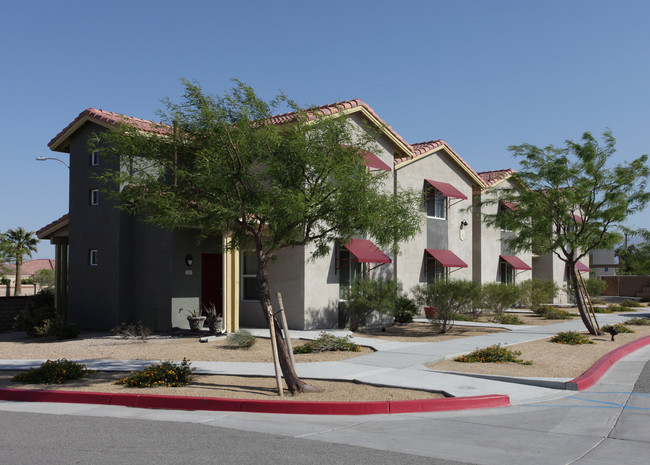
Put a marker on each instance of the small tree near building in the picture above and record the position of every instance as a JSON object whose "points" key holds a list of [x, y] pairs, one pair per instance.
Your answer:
{"points": [[229, 168], [571, 201], [18, 243]]}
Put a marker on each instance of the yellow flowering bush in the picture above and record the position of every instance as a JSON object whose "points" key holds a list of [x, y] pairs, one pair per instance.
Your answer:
{"points": [[53, 372], [493, 354], [160, 374], [571, 338]]}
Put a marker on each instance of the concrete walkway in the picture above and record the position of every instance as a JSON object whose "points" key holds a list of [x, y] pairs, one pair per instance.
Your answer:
{"points": [[398, 364]]}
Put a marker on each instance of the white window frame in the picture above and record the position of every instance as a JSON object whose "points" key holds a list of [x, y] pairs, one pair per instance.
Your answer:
{"points": [[94, 158], [435, 203], [93, 257], [94, 196], [248, 275]]}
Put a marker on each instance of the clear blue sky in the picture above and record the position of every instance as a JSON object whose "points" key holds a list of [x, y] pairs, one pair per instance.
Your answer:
{"points": [[482, 75]]}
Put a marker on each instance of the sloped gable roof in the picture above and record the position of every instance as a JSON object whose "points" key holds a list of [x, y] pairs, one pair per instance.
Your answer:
{"points": [[495, 176]]}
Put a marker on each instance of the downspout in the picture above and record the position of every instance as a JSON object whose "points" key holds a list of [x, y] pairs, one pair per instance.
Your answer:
{"points": [[395, 242]]}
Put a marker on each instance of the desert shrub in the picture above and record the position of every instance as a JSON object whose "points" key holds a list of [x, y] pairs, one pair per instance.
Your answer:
{"points": [[53, 372], [571, 338], [535, 292], [630, 303], [499, 297], [327, 342], [507, 319], [466, 317], [366, 295], [34, 317], [613, 308], [595, 286], [552, 313], [132, 331], [242, 339], [638, 321], [405, 309], [620, 327], [450, 298], [161, 374], [493, 354]]}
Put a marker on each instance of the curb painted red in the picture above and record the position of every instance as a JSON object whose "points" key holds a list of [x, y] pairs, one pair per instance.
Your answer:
{"points": [[598, 369], [257, 406]]}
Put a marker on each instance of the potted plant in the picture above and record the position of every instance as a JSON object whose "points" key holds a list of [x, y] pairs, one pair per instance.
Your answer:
{"points": [[213, 320], [195, 319]]}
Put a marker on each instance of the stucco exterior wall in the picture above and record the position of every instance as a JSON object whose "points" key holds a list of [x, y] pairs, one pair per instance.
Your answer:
{"points": [[436, 233], [489, 242]]}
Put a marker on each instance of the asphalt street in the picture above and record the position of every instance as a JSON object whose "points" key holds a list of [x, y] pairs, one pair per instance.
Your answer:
{"points": [[606, 424]]}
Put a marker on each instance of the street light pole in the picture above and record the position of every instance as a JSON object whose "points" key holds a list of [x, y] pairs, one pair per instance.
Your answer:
{"points": [[41, 158]]}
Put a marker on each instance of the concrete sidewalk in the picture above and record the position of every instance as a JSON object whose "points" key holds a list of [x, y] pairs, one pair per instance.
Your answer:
{"points": [[397, 364]]}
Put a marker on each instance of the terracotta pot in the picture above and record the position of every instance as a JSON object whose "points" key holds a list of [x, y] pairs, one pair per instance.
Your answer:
{"points": [[430, 312]]}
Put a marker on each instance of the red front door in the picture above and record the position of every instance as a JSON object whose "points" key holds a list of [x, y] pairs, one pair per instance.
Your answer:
{"points": [[212, 281]]}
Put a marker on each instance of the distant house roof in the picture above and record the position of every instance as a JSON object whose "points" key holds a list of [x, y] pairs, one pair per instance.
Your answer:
{"points": [[493, 177], [30, 267]]}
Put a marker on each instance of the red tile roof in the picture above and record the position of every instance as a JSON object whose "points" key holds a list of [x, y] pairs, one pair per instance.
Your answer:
{"points": [[32, 266], [338, 107], [492, 177], [113, 119], [52, 225]]}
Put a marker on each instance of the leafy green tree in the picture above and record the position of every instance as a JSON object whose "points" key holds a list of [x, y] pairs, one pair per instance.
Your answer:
{"points": [[45, 278], [18, 243], [449, 299], [227, 167], [499, 296], [366, 295], [569, 201], [635, 258]]}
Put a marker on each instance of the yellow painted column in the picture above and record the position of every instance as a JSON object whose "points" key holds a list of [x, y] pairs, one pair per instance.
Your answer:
{"points": [[231, 287]]}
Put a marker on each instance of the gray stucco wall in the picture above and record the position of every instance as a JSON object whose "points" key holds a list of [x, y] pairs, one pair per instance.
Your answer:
{"points": [[95, 292]]}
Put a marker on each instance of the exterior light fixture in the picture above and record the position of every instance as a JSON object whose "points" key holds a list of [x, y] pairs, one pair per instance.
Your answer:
{"points": [[189, 259], [463, 224], [41, 158]]}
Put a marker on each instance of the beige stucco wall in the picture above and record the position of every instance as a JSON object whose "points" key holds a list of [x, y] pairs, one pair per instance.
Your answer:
{"points": [[489, 245], [436, 233]]}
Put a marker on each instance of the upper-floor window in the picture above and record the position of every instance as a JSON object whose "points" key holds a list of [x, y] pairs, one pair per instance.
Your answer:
{"points": [[505, 210], [92, 257], [250, 288], [436, 203], [94, 196], [94, 158]]}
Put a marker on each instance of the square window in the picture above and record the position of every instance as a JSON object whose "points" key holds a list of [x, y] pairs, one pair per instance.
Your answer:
{"points": [[94, 196], [94, 158], [436, 203], [250, 289], [92, 257]]}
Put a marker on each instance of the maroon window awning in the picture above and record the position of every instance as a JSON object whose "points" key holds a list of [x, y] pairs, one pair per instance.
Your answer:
{"points": [[510, 206], [447, 189], [516, 262], [576, 218], [447, 258], [366, 252], [374, 162], [582, 267]]}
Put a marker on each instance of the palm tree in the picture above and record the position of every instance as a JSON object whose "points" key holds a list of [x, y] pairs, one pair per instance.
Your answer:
{"points": [[17, 243]]}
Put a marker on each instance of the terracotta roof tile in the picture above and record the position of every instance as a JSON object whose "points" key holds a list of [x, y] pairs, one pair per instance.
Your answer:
{"points": [[114, 119], [52, 224], [492, 177], [31, 266]]}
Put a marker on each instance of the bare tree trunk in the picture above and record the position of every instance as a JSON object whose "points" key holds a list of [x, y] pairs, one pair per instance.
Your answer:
{"points": [[582, 308], [294, 383], [17, 285]]}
